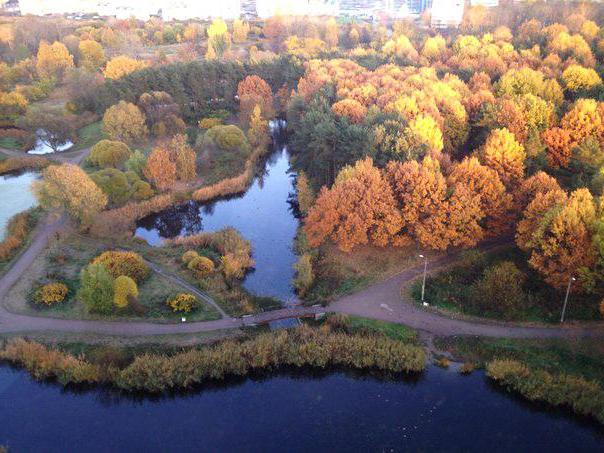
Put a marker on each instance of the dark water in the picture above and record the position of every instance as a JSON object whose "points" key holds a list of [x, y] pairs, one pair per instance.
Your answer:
{"points": [[264, 215], [441, 410]]}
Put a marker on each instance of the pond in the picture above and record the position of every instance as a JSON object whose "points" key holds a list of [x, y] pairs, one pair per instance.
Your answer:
{"points": [[16, 197], [264, 215], [295, 411], [42, 147]]}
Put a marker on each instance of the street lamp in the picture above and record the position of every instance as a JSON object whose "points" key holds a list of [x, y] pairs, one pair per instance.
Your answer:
{"points": [[424, 279], [570, 281]]}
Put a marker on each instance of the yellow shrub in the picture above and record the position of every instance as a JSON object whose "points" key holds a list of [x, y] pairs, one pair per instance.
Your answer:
{"points": [[51, 293], [188, 256], [183, 302], [124, 289], [201, 266], [209, 123], [124, 263]]}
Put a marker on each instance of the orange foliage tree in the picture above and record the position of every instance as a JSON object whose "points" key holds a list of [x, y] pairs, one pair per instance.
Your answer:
{"points": [[351, 109], [559, 146], [160, 170], [358, 209], [253, 91]]}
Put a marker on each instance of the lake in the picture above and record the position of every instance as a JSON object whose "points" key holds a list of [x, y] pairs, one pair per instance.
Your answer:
{"points": [[16, 197], [264, 215], [291, 411]]}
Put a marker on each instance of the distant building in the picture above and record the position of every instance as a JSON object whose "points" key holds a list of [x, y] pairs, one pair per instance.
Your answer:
{"points": [[268, 8], [446, 13], [487, 3]]}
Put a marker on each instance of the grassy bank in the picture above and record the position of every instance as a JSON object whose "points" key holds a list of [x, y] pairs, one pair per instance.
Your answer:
{"points": [[304, 346], [501, 285], [18, 236]]}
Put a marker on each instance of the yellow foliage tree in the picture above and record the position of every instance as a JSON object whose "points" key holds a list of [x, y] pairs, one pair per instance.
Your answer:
{"points": [[424, 130], [505, 155], [125, 122], [240, 31], [53, 60], [68, 187], [92, 55], [122, 65]]}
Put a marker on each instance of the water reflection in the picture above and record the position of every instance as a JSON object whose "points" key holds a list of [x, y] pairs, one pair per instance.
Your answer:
{"points": [[265, 214]]}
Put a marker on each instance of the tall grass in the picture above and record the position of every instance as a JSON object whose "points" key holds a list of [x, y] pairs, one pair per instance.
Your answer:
{"points": [[582, 396], [23, 163], [19, 226], [156, 373]]}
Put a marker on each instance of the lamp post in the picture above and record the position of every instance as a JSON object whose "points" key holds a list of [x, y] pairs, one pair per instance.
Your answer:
{"points": [[570, 281], [424, 278]]}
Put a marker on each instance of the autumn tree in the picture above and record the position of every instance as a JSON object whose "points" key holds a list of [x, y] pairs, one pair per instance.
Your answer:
{"points": [[53, 60], [583, 120], [160, 169], [183, 157], [122, 65], [219, 39], [559, 146], [69, 188], [253, 91], [484, 182], [240, 31], [424, 131], [92, 55], [257, 133], [124, 291], [304, 192], [358, 209], [505, 155], [540, 182], [561, 244], [332, 33], [162, 113], [577, 78], [109, 153], [351, 109], [52, 125], [125, 122]]}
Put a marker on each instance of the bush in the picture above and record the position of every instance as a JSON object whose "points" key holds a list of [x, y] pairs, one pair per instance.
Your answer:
{"points": [[126, 263], [17, 230], [124, 291], [23, 163], [201, 266], [109, 153], [96, 288], [228, 137], [209, 123], [51, 294], [304, 274], [500, 290], [188, 256], [183, 302]]}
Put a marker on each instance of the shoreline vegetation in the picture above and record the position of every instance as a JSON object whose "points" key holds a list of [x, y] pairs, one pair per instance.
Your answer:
{"points": [[326, 346], [119, 220], [18, 233]]}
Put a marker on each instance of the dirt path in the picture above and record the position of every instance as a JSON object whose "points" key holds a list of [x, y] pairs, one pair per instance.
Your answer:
{"points": [[380, 301], [71, 157]]}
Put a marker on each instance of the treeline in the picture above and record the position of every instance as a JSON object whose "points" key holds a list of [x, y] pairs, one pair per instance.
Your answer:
{"points": [[198, 87], [300, 347]]}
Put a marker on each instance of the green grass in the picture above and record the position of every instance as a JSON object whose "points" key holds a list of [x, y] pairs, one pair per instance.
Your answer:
{"points": [[10, 143], [88, 136], [452, 290], [391, 330], [569, 356]]}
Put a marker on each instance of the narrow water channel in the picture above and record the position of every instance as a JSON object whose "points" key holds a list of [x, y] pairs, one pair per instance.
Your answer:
{"points": [[16, 197], [293, 412], [263, 215]]}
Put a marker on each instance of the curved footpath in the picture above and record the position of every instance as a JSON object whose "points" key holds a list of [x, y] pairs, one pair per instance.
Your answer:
{"points": [[381, 301]]}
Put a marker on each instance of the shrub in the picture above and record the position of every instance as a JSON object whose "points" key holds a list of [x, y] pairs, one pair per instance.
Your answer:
{"points": [[442, 362], [126, 263], [227, 137], [124, 290], [500, 289], [183, 302], [188, 256], [51, 293], [201, 266], [22, 163], [136, 163], [209, 123], [467, 368], [96, 288], [339, 322], [304, 274], [17, 230], [109, 153]]}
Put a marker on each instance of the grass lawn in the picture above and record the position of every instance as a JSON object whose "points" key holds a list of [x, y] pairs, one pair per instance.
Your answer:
{"points": [[581, 357], [63, 262], [10, 143], [88, 136], [391, 330], [338, 273]]}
